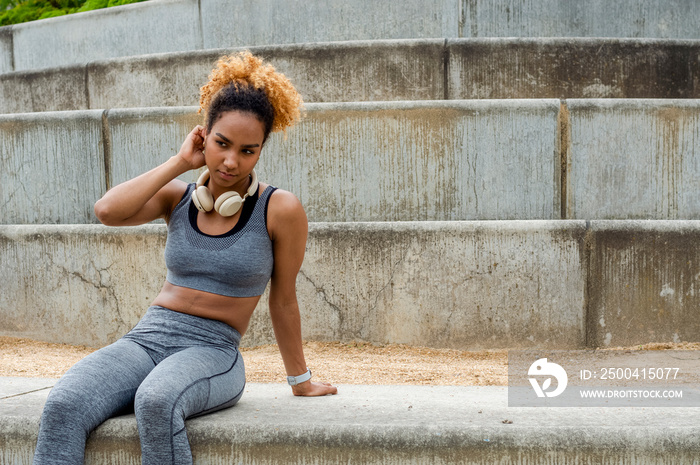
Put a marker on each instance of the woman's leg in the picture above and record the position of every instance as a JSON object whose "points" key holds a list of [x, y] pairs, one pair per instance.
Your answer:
{"points": [[191, 382], [94, 389]]}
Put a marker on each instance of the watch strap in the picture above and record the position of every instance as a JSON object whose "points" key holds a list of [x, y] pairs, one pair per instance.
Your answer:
{"points": [[294, 380]]}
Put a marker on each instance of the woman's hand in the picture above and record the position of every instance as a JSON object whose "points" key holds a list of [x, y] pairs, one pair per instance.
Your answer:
{"points": [[310, 389], [192, 149]]}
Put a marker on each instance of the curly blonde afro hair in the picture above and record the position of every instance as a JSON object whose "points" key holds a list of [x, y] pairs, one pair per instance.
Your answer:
{"points": [[242, 82]]}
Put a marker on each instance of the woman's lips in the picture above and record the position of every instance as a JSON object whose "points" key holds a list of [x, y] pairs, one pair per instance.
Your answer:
{"points": [[226, 176]]}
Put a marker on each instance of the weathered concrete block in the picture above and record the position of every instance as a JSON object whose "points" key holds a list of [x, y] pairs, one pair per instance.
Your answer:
{"points": [[573, 68], [644, 282], [377, 70], [79, 284], [387, 424], [161, 26], [408, 161], [52, 167], [6, 60], [136, 29], [347, 71], [143, 138], [54, 89], [587, 18], [168, 79], [468, 285], [297, 21], [632, 159], [443, 284], [382, 70]]}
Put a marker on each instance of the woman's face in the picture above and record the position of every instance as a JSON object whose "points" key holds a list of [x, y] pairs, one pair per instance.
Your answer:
{"points": [[232, 149]]}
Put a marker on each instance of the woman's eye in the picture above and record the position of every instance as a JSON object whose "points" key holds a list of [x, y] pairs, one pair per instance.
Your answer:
{"points": [[221, 143]]}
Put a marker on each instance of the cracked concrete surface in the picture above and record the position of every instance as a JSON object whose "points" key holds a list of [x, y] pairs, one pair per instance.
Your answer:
{"points": [[466, 285], [375, 282], [76, 282]]}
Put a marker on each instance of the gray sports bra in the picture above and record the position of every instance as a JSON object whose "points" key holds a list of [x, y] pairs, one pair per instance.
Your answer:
{"points": [[236, 264]]}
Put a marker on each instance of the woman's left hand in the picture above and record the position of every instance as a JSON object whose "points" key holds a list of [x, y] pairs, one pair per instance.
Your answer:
{"points": [[310, 389]]}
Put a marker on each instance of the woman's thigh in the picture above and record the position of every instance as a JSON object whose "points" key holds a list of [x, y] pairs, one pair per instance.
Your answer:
{"points": [[104, 382], [195, 381], [98, 387]]}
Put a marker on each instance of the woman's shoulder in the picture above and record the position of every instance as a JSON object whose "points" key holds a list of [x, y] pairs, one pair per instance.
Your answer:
{"points": [[283, 202], [284, 210]]}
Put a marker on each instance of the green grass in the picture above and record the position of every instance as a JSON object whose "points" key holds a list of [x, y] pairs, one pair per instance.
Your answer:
{"points": [[22, 11]]}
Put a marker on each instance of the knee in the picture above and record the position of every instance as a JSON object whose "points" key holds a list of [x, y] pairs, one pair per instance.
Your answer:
{"points": [[150, 403], [63, 408]]}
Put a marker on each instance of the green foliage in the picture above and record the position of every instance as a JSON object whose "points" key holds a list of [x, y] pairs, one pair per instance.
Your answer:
{"points": [[93, 5], [7, 4], [52, 13], [21, 11], [122, 2]]}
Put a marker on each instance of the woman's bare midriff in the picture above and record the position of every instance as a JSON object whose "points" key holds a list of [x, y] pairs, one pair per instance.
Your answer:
{"points": [[234, 311]]}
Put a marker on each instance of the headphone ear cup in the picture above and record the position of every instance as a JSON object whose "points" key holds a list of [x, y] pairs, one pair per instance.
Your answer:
{"points": [[202, 199], [253, 183], [228, 203]]}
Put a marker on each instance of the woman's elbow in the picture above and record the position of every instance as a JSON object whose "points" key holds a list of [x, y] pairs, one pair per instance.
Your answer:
{"points": [[282, 304], [104, 213]]}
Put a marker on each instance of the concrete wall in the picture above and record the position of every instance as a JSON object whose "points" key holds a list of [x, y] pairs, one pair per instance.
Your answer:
{"points": [[386, 162], [136, 29], [460, 284], [633, 159], [573, 68], [365, 162], [587, 18], [395, 70], [389, 161], [644, 282], [6, 61], [143, 138], [296, 21], [161, 26], [422, 161], [52, 167], [76, 282], [468, 285], [354, 71], [376, 70], [54, 89]]}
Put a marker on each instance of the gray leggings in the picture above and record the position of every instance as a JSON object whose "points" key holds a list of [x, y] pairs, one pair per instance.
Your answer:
{"points": [[170, 367]]}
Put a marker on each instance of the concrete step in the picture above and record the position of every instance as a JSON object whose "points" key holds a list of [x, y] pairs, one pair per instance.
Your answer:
{"points": [[160, 26], [388, 161], [465, 285], [381, 70], [382, 425]]}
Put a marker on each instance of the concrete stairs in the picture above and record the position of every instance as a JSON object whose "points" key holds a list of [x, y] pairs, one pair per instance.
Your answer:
{"points": [[477, 175], [380, 70], [382, 424]]}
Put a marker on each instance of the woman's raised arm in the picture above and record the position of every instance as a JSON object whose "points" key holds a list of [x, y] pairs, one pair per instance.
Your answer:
{"points": [[153, 194]]}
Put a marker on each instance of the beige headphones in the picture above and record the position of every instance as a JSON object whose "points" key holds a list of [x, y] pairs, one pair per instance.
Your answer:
{"points": [[227, 204]]}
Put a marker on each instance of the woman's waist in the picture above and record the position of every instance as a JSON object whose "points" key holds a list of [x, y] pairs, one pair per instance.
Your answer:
{"points": [[234, 311]]}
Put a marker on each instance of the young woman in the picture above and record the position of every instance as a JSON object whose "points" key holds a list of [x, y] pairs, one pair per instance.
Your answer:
{"points": [[228, 235]]}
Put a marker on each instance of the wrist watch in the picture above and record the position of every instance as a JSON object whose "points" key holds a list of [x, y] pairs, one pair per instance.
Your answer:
{"points": [[294, 380]]}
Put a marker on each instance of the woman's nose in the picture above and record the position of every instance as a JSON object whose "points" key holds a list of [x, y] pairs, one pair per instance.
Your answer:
{"points": [[231, 162]]}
